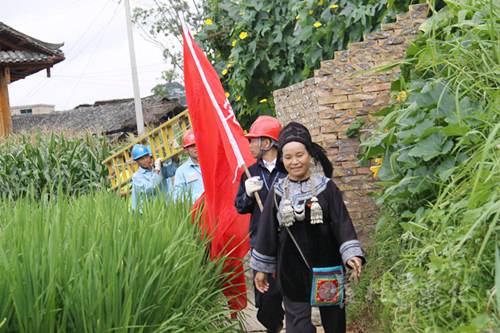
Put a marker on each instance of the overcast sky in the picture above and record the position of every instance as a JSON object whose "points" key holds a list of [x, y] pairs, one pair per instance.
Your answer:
{"points": [[97, 64]]}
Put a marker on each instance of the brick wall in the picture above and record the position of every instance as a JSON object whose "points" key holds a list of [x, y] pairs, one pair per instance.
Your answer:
{"points": [[341, 92]]}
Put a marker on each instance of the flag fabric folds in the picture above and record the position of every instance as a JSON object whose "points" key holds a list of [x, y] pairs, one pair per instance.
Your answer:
{"points": [[222, 149]]}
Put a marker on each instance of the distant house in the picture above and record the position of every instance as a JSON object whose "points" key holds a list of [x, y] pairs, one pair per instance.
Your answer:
{"points": [[32, 109], [20, 56], [115, 118]]}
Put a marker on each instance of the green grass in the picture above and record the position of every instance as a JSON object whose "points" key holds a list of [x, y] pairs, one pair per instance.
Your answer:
{"points": [[84, 264]]}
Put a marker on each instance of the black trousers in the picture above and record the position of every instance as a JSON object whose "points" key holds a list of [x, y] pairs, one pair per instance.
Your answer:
{"points": [[298, 317], [270, 312]]}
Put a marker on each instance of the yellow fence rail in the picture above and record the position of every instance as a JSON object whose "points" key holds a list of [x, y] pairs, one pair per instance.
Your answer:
{"points": [[165, 141]]}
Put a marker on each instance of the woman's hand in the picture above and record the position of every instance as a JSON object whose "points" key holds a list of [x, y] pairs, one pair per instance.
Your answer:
{"points": [[355, 263], [261, 282]]}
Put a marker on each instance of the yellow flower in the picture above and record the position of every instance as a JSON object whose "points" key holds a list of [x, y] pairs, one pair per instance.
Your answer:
{"points": [[401, 96], [227, 94], [243, 35], [317, 24], [229, 65], [224, 71], [386, 130], [311, 12], [234, 42], [320, 3], [297, 17], [208, 22], [374, 169], [334, 6], [238, 98], [242, 13], [218, 55], [263, 100]]}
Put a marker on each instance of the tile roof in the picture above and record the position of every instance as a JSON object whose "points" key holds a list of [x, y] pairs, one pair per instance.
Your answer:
{"points": [[115, 117], [23, 41], [25, 55], [16, 57]]}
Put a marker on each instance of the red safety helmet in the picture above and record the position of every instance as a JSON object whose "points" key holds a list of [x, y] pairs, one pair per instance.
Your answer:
{"points": [[188, 139], [265, 126]]}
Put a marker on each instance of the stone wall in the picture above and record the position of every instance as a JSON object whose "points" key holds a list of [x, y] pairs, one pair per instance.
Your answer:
{"points": [[344, 90]]}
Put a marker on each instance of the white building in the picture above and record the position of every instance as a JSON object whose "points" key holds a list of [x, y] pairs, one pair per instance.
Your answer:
{"points": [[32, 109]]}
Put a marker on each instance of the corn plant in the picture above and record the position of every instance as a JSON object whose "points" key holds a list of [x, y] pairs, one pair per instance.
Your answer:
{"points": [[85, 264], [42, 161], [439, 144]]}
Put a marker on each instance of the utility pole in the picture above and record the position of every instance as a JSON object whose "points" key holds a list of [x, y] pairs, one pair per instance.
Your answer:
{"points": [[137, 95]]}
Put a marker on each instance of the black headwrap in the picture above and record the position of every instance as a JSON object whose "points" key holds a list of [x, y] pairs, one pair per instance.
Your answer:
{"points": [[295, 132]]}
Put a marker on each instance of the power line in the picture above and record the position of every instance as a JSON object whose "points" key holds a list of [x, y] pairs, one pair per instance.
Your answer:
{"points": [[101, 78], [101, 32]]}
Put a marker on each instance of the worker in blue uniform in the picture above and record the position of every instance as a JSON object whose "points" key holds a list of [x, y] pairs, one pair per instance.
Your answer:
{"points": [[146, 181], [188, 181]]}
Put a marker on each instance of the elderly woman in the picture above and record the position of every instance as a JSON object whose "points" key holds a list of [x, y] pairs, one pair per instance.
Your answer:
{"points": [[296, 234]]}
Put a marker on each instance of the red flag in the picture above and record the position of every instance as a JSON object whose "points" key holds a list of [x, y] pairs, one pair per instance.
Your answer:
{"points": [[222, 149]]}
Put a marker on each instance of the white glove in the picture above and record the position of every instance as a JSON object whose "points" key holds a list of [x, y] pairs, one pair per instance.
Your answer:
{"points": [[253, 185], [158, 164]]}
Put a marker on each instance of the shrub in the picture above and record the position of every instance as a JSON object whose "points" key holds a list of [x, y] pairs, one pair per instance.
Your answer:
{"points": [[441, 175]]}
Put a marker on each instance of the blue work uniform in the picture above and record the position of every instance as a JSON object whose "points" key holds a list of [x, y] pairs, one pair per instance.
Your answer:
{"points": [[147, 183], [188, 179], [169, 168]]}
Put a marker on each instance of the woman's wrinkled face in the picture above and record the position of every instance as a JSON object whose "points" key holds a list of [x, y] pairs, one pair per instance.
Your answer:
{"points": [[297, 160]]}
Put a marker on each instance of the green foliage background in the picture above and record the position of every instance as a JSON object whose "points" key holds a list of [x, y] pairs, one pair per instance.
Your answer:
{"points": [[282, 46], [440, 177]]}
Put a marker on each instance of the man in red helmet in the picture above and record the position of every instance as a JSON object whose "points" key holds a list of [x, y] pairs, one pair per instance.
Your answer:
{"points": [[265, 173], [188, 178]]}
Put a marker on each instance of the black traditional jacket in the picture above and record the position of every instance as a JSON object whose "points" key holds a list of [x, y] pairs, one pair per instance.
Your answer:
{"points": [[330, 243]]}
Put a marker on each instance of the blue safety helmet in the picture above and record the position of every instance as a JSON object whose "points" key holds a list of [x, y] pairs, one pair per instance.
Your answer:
{"points": [[149, 150], [139, 151]]}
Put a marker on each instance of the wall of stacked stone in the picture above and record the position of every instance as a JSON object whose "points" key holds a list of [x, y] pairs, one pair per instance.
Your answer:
{"points": [[343, 90], [299, 103]]}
